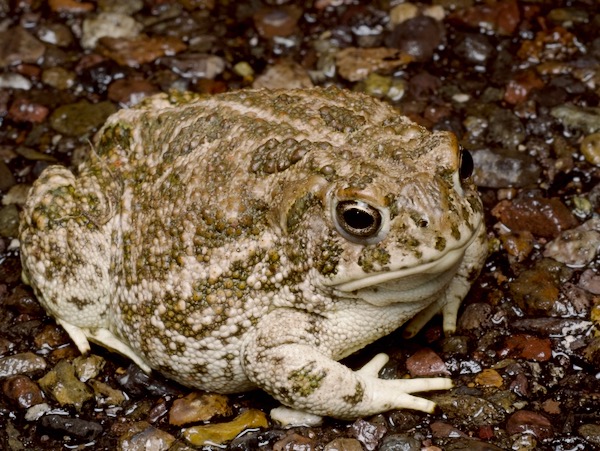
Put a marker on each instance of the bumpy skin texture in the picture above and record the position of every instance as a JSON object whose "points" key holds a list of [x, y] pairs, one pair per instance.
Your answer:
{"points": [[254, 238]]}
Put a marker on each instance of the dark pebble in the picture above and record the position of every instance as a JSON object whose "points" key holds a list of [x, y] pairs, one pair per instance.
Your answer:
{"points": [[526, 421], [473, 48], [400, 442], [368, 433], [74, 427], [418, 37]]}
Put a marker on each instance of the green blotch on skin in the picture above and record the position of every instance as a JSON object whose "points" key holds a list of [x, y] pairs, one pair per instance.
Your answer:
{"points": [[306, 380], [374, 259], [298, 208]]}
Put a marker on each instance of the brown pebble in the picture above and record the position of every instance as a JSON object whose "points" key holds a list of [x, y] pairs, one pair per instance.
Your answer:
{"points": [[526, 421], [51, 336], [139, 50], [197, 407], [130, 91], [426, 363], [294, 441], [443, 430], [527, 347], [540, 216], [23, 391], [489, 378], [282, 21], [518, 244]]}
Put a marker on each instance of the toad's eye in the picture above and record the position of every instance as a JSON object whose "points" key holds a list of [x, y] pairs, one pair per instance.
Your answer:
{"points": [[466, 164], [357, 220]]}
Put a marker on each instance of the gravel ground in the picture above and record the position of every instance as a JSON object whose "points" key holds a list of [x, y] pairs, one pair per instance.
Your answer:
{"points": [[517, 81]]}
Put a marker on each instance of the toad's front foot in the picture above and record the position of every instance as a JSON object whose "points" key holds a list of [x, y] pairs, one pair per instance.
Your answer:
{"points": [[391, 394], [379, 395]]}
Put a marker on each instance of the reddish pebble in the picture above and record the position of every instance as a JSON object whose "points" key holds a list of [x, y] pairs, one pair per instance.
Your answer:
{"points": [[527, 347], [540, 216], [23, 391], [426, 363], [272, 22], [23, 110], [528, 422], [520, 86]]}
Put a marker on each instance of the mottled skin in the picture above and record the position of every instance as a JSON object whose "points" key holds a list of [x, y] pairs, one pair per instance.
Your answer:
{"points": [[254, 238]]}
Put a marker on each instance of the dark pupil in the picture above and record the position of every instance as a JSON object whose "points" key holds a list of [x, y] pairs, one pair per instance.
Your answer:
{"points": [[358, 219], [466, 164]]}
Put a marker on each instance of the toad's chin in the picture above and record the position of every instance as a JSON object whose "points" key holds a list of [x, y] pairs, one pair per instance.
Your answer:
{"points": [[407, 285]]}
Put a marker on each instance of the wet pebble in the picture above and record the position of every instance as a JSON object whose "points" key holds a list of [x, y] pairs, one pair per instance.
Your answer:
{"points": [[142, 436], [24, 110], [283, 75], [88, 366], [418, 37], [59, 78], [540, 216], [527, 347], [400, 442], [501, 17], [104, 24], [426, 363], [590, 281], [220, 433], [576, 247], [10, 80], [197, 407], [19, 46], [526, 421], [474, 49], [9, 221], [294, 441], [130, 91], [81, 118], [108, 395], [518, 245], [536, 290], [22, 363], [6, 177], [280, 21], [440, 429], [50, 337], [489, 378], [368, 433], [356, 64], [70, 6], [63, 386], [591, 433], [584, 119], [133, 52], [500, 168], [56, 34], [76, 428], [590, 147], [469, 410], [403, 12], [195, 65], [22, 391], [345, 444]]}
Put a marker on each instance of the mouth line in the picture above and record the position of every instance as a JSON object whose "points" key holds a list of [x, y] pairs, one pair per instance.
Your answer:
{"points": [[436, 268]]}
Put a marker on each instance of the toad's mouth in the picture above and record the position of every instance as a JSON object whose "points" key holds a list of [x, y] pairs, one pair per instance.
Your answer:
{"points": [[407, 285]]}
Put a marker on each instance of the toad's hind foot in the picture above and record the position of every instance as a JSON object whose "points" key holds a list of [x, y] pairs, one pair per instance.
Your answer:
{"points": [[104, 337]]}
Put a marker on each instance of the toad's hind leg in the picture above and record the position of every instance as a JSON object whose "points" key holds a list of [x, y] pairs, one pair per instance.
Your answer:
{"points": [[65, 237]]}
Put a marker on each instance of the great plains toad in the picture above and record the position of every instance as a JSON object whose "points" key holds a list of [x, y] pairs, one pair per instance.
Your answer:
{"points": [[254, 238]]}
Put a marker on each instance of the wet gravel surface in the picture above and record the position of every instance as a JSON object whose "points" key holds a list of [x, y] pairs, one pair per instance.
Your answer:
{"points": [[517, 81]]}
